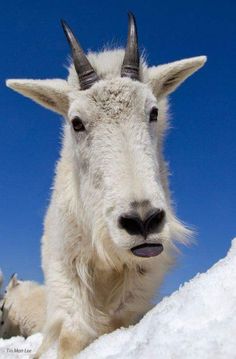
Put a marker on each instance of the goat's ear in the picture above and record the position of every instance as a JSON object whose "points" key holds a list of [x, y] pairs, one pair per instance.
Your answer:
{"points": [[1, 278], [13, 281], [164, 79], [52, 94]]}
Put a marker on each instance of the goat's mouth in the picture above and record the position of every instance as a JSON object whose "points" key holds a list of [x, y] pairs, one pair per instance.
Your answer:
{"points": [[147, 250]]}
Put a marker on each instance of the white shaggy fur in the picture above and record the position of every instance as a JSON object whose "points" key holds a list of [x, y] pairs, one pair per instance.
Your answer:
{"points": [[23, 309], [94, 282]]}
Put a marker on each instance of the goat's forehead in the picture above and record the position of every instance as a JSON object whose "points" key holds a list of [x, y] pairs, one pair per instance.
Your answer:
{"points": [[114, 96]]}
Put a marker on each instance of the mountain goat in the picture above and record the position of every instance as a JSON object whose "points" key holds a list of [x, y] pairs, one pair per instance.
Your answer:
{"points": [[23, 309], [110, 227]]}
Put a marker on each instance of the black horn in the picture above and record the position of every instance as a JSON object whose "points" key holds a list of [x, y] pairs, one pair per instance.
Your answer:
{"points": [[130, 66], [3, 305], [87, 75]]}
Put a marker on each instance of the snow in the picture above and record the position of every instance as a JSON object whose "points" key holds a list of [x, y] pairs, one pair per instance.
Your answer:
{"points": [[197, 321]]}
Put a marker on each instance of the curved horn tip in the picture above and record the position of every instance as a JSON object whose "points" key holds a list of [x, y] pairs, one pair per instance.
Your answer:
{"points": [[132, 26], [67, 30], [64, 25], [131, 15]]}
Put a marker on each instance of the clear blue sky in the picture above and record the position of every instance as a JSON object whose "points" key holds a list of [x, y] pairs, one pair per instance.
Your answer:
{"points": [[201, 146]]}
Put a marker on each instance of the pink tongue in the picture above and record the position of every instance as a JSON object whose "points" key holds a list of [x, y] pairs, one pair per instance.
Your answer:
{"points": [[147, 250]]}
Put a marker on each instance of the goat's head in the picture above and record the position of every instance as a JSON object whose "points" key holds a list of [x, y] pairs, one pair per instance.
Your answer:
{"points": [[8, 318], [115, 111]]}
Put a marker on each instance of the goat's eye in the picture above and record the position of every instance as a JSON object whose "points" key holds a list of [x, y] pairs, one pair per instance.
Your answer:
{"points": [[77, 124], [153, 114]]}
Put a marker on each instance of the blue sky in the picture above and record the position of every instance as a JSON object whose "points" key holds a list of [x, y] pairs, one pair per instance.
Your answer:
{"points": [[200, 147]]}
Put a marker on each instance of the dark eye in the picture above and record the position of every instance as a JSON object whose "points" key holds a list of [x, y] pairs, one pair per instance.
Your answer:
{"points": [[77, 124], [153, 114]]}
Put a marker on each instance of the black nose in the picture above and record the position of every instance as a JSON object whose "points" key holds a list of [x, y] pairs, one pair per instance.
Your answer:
{"points": [[154, 221], [134, 225]]}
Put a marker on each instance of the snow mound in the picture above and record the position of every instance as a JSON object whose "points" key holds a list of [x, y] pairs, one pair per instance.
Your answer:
{"points": [[197, 321]]}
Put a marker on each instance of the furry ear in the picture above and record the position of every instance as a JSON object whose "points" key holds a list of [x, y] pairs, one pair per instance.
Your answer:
{"points": [[13, 282], [52, 94], [164, 79], [1, 279]]}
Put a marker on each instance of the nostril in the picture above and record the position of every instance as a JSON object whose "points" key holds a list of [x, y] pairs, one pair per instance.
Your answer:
{"points": [[132, 223], [154, 221]]}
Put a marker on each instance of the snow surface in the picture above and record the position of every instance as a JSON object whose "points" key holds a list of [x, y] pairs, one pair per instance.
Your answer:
{"points": [[196, 322]]}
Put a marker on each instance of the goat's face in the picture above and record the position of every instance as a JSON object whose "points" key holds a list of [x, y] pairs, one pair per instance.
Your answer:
{"points": [[113, 132], [114, 129]]}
